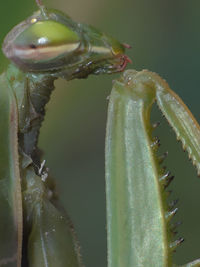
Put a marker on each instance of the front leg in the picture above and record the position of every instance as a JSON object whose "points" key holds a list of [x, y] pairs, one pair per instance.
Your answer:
{"points": [[11, 222], [177, 114]]}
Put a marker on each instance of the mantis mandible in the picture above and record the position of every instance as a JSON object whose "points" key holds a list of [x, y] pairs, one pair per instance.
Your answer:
{"points": [[34, 230]]}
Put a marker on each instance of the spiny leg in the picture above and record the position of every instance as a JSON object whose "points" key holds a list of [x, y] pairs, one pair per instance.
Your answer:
{"points": [[177, 114]]}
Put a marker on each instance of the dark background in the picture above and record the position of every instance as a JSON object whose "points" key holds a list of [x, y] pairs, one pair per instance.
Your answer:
{"points": [[165, 38]]}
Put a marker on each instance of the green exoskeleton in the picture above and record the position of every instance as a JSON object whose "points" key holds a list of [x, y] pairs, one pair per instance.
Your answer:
{"points": [[138, 218], [34, 230]]}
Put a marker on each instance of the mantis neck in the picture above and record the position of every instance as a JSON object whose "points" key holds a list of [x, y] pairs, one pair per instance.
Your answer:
{"points": [[32, 94]]}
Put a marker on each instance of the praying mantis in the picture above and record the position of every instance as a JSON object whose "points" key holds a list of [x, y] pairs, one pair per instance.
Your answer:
{"points": [[44, 47], [36, 229]]}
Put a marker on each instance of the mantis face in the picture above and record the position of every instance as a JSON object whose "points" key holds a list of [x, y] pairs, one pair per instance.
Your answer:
{"points": [[55, 44]]}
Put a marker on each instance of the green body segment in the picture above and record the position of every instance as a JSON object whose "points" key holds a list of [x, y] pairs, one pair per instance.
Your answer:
{"points": [[177, 114], [32, 93], [182, 121], [137, 232], [10, 187], [48, 237], [51, 239]]}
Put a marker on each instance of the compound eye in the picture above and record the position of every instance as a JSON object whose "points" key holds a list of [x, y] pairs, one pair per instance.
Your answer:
{"points": [[45, 40]]}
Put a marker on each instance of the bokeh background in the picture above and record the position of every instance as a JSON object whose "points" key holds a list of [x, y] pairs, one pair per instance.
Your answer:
{"points": [[165, 38]]}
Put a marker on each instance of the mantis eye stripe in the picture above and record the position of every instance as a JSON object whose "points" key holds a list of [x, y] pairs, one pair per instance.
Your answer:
{"points": [[42, 53]]}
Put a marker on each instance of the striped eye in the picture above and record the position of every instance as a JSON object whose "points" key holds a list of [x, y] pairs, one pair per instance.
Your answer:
{"points": [[39, 44], [45, 40], [54, 43]]}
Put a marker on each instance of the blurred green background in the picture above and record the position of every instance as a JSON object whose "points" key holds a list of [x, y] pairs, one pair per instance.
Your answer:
{"points": [[165, 38]]}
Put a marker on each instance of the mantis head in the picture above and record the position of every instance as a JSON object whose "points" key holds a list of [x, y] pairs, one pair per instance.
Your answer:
{"points": [[51, 42]]}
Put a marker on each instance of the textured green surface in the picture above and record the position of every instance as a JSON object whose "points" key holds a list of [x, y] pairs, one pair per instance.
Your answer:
{"points": [[178, 116], [184, 124], [137, 233], [51, 240], [10, 188]]}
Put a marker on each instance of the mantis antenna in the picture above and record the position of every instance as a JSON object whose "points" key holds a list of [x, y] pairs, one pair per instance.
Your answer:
{"points": [[42, 8]]}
